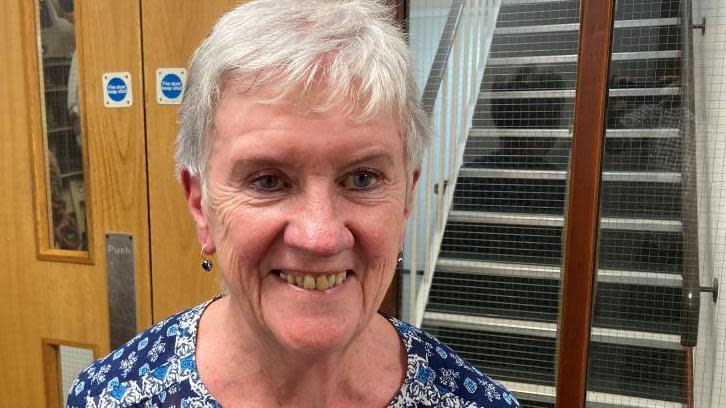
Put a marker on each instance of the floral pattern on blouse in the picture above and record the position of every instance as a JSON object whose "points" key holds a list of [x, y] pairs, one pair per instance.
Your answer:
{"points": [[157, 369]]}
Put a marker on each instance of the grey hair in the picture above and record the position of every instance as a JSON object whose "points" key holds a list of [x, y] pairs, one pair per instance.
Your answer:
{"points": [[351, 50]]}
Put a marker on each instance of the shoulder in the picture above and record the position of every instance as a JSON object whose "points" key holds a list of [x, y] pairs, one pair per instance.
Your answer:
{"points": [[155, 361], [438, 376]]}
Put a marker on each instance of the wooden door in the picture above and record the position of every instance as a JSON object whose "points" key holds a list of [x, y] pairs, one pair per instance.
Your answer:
{"points": [[51, 295], [172, 31]]}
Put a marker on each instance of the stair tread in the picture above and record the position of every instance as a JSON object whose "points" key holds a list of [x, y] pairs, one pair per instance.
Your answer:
{"points": [[481, 132], [542, 220], [572, 58], [546, 329], [543, 28], [546, 393], [489, 268], [570, 93], [634, 176]]}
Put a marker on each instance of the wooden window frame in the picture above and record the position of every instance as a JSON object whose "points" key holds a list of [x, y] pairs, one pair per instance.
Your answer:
{"points": [[37, 132], [51, 367]]}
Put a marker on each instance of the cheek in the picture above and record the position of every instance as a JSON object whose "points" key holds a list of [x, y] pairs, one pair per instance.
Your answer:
{"points": [[379, 240], [242, 237], [381, 227]]}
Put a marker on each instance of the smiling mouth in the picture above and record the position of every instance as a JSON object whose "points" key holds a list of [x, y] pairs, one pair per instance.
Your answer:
{"points": [[308, 281]]}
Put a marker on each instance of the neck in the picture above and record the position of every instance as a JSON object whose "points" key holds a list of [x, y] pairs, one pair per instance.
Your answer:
{"points": [[235, 365]]}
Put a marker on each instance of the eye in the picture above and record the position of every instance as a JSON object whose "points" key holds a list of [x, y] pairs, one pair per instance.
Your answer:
{"points": [[267, 182], [363, 180]]}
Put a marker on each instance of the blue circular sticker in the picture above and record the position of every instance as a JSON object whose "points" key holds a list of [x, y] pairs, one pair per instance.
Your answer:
{"points": [[171, 86], [116, 89]]}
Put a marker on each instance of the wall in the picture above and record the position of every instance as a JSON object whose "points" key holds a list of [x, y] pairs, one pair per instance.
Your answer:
{"points": [[710, 89]]}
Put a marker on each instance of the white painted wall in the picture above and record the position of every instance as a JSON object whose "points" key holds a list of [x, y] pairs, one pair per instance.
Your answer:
{"points": [[710, 89], [426, 22]]}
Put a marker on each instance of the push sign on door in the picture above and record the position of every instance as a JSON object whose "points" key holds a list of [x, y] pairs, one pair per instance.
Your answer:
{"points": [[117, 90], [170, 83]]}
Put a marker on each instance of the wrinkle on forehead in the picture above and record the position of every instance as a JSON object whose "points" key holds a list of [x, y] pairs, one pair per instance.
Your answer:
{"points": [[245, 116]]}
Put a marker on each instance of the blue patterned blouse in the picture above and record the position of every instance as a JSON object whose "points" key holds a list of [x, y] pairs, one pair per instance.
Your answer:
{"points": [[157, 369]]}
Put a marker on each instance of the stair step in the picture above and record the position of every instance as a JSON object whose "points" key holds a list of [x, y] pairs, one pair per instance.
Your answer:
{"points": [[570, 93], [543, 329], [550, 28], [653, 309], [474, 267], [515, 2], [482, 217], [652, 251], [537, 12], [497, 182], [617, 369], [546, 394], [468, 266], [556, 44], [644, 195], [610, 176], [623, 74], [566, 133], [627, 224], [553, 59]]}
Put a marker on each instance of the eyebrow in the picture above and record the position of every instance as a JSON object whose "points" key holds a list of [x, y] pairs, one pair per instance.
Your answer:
{"points": [[373, 156], [256, 161], [264, 160]]}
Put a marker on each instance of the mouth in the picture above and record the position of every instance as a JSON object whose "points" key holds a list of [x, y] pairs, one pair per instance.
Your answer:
{"points": [[313, 282]]}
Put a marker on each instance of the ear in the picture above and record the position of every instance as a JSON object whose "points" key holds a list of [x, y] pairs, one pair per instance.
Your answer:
{"points": [[193, 194], [410, 188]]}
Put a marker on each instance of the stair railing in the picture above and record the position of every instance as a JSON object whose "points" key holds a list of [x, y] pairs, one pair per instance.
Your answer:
{"points": [[691, 283], [449, 97]]}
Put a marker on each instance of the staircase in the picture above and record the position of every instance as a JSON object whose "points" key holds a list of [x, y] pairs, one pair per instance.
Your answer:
{"points": [[495, 292]]}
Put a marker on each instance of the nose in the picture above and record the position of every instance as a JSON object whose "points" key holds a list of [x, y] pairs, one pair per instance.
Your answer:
{"points": [[317, 227]]}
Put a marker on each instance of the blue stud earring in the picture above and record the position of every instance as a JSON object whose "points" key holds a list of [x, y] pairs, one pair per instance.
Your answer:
{"points": [[206, 263]]}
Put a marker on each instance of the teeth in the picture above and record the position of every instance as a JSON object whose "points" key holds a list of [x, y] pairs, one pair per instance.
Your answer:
{"points": [[321, 282], [309, 282]]}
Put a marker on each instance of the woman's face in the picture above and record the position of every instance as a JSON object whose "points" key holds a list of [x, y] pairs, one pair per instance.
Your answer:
{"points": [[297, 203]]}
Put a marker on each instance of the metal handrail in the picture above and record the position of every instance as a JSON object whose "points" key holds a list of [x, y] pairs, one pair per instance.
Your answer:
{"points": [[441, 58], [691, 288]]}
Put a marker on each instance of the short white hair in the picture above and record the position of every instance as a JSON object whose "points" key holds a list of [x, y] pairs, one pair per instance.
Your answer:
{"points": [[324, 53]]}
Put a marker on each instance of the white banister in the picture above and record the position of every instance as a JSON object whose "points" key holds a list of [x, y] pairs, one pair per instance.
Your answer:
{"points": [[452, 112]]}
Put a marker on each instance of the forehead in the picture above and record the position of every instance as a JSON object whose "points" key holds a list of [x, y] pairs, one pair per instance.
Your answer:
{"points": [[243, 120]]}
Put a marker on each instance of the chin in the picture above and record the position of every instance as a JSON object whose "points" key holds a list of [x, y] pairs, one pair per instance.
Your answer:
{"points": [[308, 322], [314, 336]]}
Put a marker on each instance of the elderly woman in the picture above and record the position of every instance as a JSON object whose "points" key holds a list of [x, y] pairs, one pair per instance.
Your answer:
{"points": [[300, 143]]}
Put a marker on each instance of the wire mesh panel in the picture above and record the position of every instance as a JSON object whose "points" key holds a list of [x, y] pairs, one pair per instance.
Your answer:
{"points": [[428, 26], [72, 360], [647, 290], [657, 336], [494, 297], [450, 70]]}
